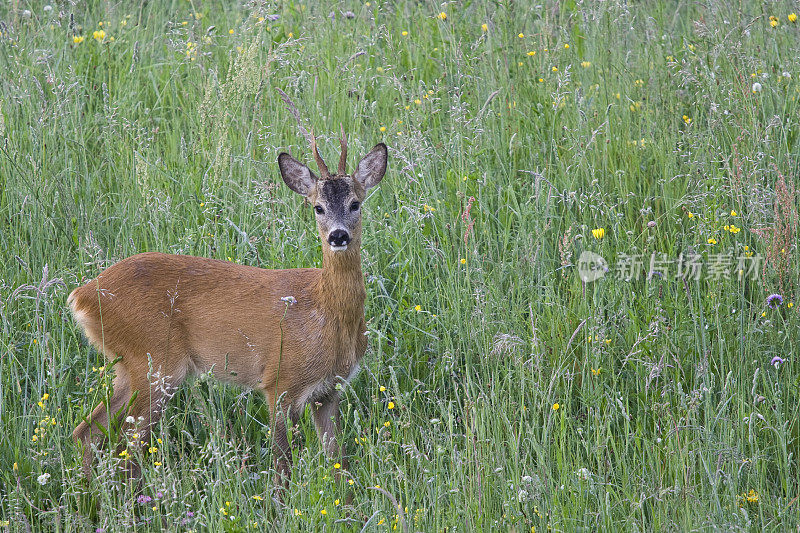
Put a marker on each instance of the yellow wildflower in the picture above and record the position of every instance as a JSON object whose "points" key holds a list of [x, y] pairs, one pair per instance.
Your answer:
{"points": [[599, 233], [78, 39], [442, 16], [99, 35], [556, 407]]}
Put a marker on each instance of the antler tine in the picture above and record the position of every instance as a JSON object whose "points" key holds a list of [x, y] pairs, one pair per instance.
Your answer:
{"points": [[343, 157], [323, 168]]}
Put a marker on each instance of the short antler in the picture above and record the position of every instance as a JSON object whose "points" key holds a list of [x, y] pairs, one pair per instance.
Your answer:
{"points": [[323, 168], [343, 157]]}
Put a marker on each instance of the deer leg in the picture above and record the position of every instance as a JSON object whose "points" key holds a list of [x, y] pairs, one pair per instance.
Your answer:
{"points": [[155, 390], [282, 422], [145, 408], [326, 418], [88, 431]]}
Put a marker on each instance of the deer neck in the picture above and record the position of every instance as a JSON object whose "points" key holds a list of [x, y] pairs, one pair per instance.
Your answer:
{"points": [[341, 289]]}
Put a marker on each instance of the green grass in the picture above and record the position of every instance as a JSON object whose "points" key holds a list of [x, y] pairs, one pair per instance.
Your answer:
{"points": [[670, 413]]}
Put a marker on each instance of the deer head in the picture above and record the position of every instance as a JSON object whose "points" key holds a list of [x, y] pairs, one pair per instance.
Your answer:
{"points": [[336, 197]]}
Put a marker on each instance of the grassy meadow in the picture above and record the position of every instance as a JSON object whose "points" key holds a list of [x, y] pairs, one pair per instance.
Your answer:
{"points": [[500, 391]]}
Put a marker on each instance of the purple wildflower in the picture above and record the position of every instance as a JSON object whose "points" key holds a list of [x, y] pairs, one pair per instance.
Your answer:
{"points": [[776, 361], [159, 494], [273, 18], [189, 517], [774, 300], [100, 530], [144, 498]]}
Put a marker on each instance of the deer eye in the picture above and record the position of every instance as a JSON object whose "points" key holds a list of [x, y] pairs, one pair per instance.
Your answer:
{"points": [[319, 210], [354, 206]]}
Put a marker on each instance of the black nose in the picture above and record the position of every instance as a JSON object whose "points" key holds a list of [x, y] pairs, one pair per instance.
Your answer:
{"points": [[339, 237]]}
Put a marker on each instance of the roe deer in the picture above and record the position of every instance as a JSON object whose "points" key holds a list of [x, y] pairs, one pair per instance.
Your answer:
{"points": [[163, 317]]}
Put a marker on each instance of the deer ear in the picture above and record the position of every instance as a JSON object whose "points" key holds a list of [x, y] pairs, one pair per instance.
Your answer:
{"points": [[295, 174], [372, 167]]}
